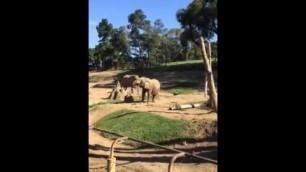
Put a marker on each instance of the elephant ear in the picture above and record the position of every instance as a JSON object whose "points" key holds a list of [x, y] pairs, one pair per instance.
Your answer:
{"points": [[137, 82], [141, 82], [147, 85]]}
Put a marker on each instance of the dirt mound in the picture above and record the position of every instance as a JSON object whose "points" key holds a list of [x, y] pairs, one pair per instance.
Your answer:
{"points": [[203, 128]]}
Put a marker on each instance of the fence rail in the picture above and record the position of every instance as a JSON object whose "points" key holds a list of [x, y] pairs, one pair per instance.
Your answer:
{"points": [[160, 146]]}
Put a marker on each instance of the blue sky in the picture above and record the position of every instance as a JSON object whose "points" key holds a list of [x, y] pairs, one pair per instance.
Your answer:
{"points": [[117, 11]]}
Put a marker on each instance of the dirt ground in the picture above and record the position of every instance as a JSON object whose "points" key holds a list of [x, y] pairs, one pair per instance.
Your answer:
{"points": [[130, 159]]}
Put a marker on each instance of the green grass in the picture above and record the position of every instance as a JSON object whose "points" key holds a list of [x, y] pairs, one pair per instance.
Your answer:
{"points": [[93, 78], [185, 62], [191, 65], [96, 105], [181, 90], [143, 126]]}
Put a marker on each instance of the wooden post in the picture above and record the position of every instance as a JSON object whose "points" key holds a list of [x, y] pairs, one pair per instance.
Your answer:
{"points": [[111, 161], [111, 164], [170, 167]]}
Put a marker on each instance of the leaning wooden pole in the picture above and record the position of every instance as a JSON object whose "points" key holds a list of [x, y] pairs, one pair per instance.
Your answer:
{"points": [[211, 84], [210, 63], [206, 80]]}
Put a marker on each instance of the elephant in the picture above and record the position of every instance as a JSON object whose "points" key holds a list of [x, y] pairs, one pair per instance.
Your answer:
{"points": [[149, 86], [128, 80]]}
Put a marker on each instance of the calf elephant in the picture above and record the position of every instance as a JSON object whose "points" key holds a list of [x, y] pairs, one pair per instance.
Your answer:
{"points": [[149, 86], [128, 80]]}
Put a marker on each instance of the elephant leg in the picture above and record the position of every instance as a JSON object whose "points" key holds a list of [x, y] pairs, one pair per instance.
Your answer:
{"points": [[153, 96], [143, 94], [137, 89], [148, 97]]}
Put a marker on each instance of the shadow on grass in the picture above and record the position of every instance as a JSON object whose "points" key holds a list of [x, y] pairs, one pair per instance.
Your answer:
{"points": [[173, 85], [189, 76], [102, 103], [123, 115]]}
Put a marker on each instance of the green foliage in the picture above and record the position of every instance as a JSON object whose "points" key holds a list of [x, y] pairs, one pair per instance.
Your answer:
{"points": [[137, 23], [120, 40], [104, 50], [104, 30], [91, 52], [152, 42], [182, 90], [214, 50], [199, 19]]}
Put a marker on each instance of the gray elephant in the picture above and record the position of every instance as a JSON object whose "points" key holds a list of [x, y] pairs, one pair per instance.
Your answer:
{"points": [[128, 80], [149, 86]]}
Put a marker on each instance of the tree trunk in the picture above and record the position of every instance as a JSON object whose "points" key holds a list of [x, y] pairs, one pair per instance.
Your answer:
{"points": [[206, 80], [206, 84], [211, 85], [210, 63]]}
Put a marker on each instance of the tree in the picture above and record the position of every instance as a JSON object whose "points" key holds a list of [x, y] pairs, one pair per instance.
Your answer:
{"points": [[91, 57], [199, 21], [146, 40], [120, 43], [120, 40], [104, 50], [174, 44], [91, 52], [105, 31], [159, 27], [137, 23], [214, 50], [152, 39]]}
